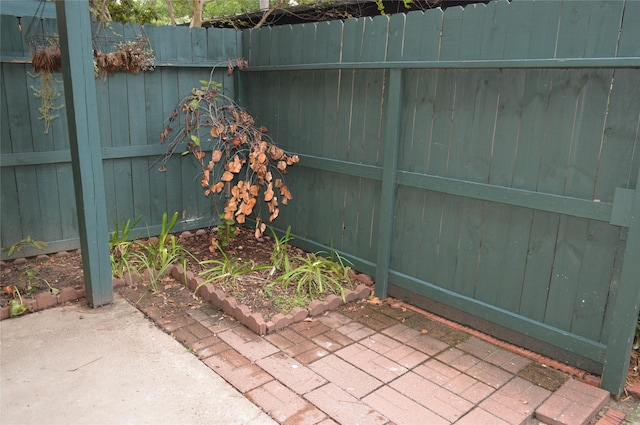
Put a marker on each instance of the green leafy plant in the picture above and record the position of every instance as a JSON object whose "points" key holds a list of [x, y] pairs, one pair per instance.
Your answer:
{"points": [[121, 248], [28, 279], [226, 230], [16, 305], [316, 275], [20, 245], [226, 271], [280, 252], [157, 255]]}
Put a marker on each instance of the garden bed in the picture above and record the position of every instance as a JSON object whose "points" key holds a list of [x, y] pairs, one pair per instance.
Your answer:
{"points": [[252, 298]]}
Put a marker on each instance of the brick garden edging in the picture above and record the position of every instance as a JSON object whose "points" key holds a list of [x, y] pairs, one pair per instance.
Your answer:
{"points": [[46, 300], [228, 304], [255, 321]]}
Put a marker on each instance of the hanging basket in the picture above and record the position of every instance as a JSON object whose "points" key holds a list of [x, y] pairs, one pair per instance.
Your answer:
{"points": [[45, 53], [117, 54]]}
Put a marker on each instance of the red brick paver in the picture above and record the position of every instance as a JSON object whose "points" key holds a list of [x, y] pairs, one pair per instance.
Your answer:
{"points": [[373, 365], [575, 403]]}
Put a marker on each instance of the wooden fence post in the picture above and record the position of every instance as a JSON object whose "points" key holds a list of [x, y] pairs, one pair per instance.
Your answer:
{"points": [[625, 307], [390, 141], [74, 26]]}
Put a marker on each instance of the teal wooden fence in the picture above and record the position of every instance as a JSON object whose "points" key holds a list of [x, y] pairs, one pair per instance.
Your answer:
{"points": [[481, 162], [37, 197]]}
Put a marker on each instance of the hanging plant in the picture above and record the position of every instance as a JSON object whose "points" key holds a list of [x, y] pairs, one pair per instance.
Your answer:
{"points": [[46, 56], [48, 96], [127, 56], [46, 59]]}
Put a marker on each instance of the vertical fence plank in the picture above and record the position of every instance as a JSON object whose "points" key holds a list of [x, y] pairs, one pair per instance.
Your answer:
{"points": [[10, 219], [11, 42], [391, 140], [628, 44], [451, 33], [600, 42], [422, 36], [574, 23], [543, 37], [504, 225], [621, 128]]}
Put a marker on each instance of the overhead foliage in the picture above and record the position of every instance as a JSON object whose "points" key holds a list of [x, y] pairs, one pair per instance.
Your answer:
{"points": [[131, 11]]}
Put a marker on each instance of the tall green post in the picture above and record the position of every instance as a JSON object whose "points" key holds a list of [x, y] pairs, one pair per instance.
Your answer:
{"points": [[74, 27], [625, 307], [391, 140]]}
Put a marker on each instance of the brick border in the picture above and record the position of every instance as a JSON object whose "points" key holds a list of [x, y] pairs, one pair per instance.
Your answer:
{"points": [[47, 300], [255, 321], [579, 374], [228, 304]]}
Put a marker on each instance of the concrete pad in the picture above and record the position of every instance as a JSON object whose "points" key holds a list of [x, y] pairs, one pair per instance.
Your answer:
{"points": [[77, 365]]}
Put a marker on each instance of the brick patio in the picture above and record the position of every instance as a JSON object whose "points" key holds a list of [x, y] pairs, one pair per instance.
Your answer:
{"points": [[369, 364]]}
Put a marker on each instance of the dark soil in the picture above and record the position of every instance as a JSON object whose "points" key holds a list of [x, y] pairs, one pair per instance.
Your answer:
{"points": [[45, 273]]}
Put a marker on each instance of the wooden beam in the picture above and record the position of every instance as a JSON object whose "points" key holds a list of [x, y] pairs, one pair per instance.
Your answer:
{"points": [[74, 27], [390, 141], [622, 324]]}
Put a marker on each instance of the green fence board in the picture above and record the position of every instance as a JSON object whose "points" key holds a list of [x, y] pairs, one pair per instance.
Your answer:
{"points": [[628, 44], [68, 216], [49, 203], [586, 140], [11, 42], [572, 29], [595, 274], [510, 283], [620, 139], [352, 40], [451, 34], [532, 130], [16, 90], [26, 185], [10, 218], [5, 139], [599, 41], [569, 250], [518, 18], [420, 30], [540, 254]]}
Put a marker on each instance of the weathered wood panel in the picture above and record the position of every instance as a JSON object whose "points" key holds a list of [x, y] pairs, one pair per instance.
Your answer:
{"points": [[514, 127], [132, 109]]}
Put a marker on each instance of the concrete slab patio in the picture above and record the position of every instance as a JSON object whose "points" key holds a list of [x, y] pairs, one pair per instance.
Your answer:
{"points": [[76, 365]]}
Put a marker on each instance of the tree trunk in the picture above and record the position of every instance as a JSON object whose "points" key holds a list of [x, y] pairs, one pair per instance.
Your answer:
{"points": [[172, 15]]}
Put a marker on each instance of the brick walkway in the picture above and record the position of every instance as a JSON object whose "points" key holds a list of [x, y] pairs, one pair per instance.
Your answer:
{"points": [[366, 364]]}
